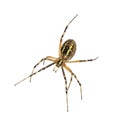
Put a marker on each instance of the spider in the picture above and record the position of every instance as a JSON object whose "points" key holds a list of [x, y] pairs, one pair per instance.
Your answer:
{"points": [[66, 52]]}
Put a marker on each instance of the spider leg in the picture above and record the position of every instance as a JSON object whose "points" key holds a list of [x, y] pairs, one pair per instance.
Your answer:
{"points": [[70, 81], [34, 73], [66, 89], [61, 39], [72, 74], [50, 58], [82, 60]]}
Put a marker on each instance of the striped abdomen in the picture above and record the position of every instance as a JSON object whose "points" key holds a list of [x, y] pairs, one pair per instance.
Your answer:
{"points": [[68, 49]]}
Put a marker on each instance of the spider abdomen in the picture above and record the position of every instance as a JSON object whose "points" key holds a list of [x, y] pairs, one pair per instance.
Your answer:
{"points": [[68, 49]]}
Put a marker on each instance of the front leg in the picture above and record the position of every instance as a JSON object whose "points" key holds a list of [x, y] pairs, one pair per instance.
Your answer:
{"points": [[50, 58], [61, 39]]}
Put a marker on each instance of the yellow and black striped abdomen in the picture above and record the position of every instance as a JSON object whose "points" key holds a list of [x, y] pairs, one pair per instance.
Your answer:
{"points": [[68, 49]]}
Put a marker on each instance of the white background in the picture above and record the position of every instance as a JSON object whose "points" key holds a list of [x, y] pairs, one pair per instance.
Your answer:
{"points": [[29, 31]]}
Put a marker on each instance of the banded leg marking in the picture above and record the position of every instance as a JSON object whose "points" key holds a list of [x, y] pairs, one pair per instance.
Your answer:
{"points": [[82, 60], [66, 89], [72, 74], [50, 58], [70, 81], [34, 73], [61, 39]]}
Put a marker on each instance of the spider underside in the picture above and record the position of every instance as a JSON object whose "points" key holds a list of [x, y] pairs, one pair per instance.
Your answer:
{"points": [[66, 52]]}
